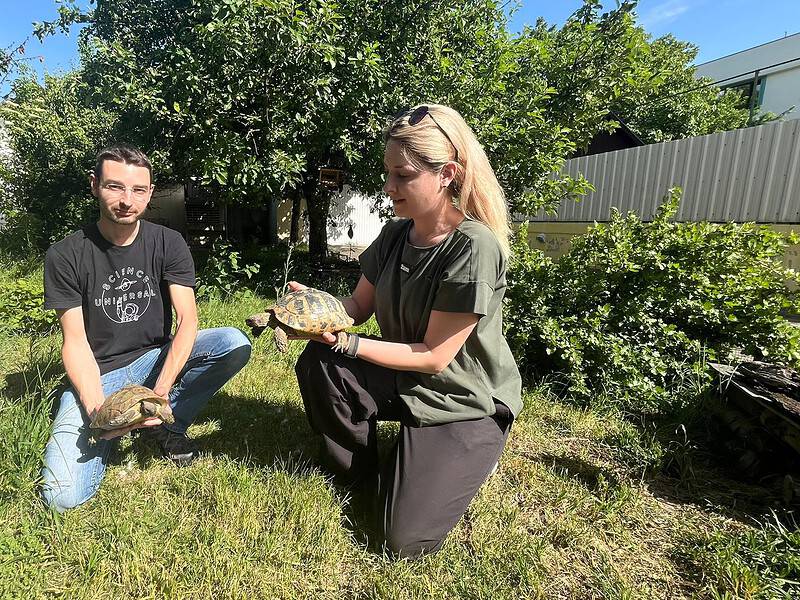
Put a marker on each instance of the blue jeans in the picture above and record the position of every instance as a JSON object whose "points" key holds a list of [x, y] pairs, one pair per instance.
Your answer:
{"points": [[74, 466]]}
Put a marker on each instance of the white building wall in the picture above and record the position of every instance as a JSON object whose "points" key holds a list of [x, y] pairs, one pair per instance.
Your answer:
{"points": [[348, 209], [353, 209], [782, 91], [782, 88]]}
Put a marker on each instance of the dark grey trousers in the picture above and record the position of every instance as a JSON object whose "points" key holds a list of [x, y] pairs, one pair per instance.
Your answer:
{"points": [[431, 474]]}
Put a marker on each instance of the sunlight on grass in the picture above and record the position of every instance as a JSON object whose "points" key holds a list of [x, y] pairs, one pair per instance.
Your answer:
{"points": [[567, 515]]}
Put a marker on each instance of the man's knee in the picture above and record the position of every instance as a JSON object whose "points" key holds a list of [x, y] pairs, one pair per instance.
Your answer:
{"points": [[231, 338], [234, 346], [59, 502], [62, 498]]}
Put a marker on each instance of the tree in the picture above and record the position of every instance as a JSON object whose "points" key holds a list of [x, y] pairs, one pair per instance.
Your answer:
{"points": [[12, 58], [254, 96], [650, 84], [669, 102], [53, 137]]}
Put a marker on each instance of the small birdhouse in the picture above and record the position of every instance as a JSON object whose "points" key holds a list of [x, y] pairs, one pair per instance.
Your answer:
{"points": [[332, 179]]}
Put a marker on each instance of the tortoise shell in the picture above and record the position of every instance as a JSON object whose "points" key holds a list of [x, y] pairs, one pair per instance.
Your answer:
{"points": [[129, 406], [311, 311]]}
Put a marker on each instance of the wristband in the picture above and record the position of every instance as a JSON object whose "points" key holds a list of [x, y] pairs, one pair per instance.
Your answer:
{"points": [[352, 345]]}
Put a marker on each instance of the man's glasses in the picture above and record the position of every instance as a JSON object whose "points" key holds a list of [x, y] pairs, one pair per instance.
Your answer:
{"points": [[420, 113], [117, 190]]}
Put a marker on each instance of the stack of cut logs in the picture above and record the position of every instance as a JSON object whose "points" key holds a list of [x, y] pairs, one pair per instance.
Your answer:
{"points": [[761, 408]]}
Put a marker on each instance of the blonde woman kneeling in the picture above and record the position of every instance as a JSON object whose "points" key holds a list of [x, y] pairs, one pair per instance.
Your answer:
{"points": [[435, 279]]}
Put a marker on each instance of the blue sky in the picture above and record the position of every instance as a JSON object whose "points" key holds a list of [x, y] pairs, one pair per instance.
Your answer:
{"points": [[718, 27]]}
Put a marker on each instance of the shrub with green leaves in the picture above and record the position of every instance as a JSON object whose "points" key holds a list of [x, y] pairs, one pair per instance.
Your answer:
{"points": [[224, 272], [22, 305], [633, 311]]}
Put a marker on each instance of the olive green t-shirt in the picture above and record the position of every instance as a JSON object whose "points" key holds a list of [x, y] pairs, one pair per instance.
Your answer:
{"points": [[466, 272]]}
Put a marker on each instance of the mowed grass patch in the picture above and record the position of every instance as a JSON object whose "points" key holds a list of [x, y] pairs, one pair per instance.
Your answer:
{"points": [[215, 529], [567, 514]]}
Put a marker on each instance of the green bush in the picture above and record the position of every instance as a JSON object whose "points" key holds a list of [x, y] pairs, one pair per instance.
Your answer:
{"points": [[22, 305], [633, 311], [224, 272]]}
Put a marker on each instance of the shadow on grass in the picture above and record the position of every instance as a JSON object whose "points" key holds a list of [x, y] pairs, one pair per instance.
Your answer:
{"points": [[250, 430], [576, 468], [702, 468], [263, 433], [680, 464], [42, 375], [707, 479], [277, 435], [40, 388]]}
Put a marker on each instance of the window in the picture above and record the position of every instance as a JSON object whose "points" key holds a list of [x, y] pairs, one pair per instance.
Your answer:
{"points": [[745, 88]]}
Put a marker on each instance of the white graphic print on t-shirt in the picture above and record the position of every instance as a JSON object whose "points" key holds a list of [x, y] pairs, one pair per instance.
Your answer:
{"points": [[126, 296]]}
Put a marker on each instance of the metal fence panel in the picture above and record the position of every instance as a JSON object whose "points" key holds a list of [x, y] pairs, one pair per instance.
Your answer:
{"points": [[743, 175]]}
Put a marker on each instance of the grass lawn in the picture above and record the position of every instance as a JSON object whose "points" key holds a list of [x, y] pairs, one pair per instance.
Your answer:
{"points": [[570, 513]]}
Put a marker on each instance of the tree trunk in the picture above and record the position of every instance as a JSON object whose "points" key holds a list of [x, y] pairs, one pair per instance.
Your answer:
{"points": [[318, 206], [294, 229]]}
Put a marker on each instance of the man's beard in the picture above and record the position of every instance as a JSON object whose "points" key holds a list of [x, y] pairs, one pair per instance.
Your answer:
{"points": [[112, 216]]}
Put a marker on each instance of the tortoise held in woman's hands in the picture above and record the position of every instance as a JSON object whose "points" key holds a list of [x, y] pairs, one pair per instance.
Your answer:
{"points": [[129, 406], [305, 313]]}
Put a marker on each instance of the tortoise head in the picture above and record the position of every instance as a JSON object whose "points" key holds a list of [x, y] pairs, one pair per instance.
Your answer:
{"points": [[259, 322], [149, 409]]}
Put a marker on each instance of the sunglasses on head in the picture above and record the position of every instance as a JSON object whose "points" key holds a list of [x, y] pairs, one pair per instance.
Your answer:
{"points": [[420, 113]]}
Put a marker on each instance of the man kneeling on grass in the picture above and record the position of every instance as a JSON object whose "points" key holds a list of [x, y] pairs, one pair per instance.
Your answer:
{"points": [[114, 285]]}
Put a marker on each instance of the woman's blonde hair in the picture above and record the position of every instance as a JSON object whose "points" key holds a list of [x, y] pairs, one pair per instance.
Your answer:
{"points": [[437, 135]]}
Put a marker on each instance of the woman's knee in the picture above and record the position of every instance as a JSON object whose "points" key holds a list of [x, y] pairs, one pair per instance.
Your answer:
{"points": [[404, 544], [312, 357]]}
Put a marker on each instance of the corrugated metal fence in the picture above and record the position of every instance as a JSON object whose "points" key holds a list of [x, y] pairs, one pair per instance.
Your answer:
{"points": [[749, 174]]}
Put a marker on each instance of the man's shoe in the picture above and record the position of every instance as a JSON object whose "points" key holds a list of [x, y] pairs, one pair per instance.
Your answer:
{"points": [[177, 447]]}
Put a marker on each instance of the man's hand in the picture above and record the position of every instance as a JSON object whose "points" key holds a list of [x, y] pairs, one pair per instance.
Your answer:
{"points": [[183, 302], [162, 389], [91, 407]]}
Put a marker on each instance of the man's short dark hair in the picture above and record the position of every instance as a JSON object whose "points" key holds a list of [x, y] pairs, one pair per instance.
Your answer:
{"points": [[124, 153]]}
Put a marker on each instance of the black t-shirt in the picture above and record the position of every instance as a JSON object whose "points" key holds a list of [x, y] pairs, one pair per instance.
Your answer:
{"points": [[123, 290]]}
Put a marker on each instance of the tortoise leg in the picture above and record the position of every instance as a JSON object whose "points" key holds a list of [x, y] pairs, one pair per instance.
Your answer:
{"points": [[281, 339], [341, 342]]}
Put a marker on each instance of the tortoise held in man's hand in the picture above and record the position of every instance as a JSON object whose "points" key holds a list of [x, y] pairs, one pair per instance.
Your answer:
{"points": [[129, 406], [305, 313]]}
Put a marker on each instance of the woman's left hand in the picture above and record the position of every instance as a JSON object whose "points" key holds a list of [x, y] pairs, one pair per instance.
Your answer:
{"points": [[326, 338]]}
